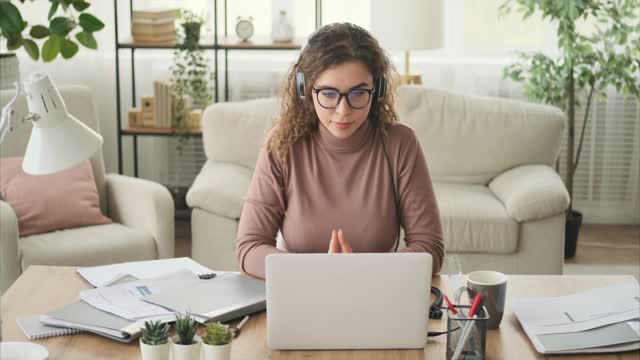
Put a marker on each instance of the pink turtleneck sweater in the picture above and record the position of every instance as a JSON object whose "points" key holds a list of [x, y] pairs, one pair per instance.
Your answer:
{"points": [[333, 183]]}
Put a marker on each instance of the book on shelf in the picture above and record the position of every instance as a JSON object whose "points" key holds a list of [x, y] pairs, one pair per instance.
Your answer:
{"points": [[159, 38], [163, 94], [155, 22], [153, 29], [152, 43], [155, 13]]}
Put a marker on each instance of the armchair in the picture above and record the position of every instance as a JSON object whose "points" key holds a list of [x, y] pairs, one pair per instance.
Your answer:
{"points": [[142, 212]]}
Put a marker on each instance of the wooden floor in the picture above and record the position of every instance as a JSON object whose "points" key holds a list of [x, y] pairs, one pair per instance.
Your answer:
{"points": [[608, 244], [598, 244]]}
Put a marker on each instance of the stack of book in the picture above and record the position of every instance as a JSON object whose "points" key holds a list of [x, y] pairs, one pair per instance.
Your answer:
{"points": [[154, 26], [164, 103]]}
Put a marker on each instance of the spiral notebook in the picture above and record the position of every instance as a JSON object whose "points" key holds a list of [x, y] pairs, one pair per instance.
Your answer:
{"points": [[34, 329]]}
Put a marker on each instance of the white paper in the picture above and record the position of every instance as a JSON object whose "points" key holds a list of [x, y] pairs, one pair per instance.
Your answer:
{"points": [[98, 276], [581, 311], [124, 299]]}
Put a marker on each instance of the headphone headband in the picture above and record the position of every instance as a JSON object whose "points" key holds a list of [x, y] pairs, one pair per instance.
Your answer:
{"points": [[380, 82]]}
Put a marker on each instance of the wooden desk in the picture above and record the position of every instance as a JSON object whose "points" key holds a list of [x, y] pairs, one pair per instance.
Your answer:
{"points": [[41, 289]]}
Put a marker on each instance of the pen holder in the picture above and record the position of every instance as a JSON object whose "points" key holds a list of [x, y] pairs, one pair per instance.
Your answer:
{"points": [[472, 340]]}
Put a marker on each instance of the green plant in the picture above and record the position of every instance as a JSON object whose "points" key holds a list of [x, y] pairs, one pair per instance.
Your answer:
{"points": [[57, 33], [186, 327], [217, 334], [588, 64], [190, 74], [155, 333]]}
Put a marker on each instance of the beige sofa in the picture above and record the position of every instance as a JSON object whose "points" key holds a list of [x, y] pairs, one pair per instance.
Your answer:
{"points": [[502, 204], [142, 211]]}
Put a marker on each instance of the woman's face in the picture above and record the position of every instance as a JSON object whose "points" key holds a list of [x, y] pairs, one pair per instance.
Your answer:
{"points": [[351, 77]]}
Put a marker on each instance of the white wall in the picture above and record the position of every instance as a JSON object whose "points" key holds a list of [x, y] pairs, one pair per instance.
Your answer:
{"points": [[458, 69]]}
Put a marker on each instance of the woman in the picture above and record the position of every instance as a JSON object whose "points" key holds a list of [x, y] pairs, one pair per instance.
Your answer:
{"points": [[323, 177]]}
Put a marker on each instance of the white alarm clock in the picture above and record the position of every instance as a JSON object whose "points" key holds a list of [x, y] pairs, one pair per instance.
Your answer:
{"points": [[244, 27]]}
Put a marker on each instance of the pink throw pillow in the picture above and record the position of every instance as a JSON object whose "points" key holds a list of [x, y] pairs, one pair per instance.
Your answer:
{"points": [[44, 203]]}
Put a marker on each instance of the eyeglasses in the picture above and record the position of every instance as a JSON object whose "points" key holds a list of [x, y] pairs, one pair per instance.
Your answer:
{"points": [[330, 98]]}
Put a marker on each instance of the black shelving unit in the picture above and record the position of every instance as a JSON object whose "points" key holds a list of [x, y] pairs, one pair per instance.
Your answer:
{"points": [[225, 43]]}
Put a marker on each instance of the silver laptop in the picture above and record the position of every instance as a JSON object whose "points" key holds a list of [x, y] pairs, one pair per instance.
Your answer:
{"points": [[348, 301]]}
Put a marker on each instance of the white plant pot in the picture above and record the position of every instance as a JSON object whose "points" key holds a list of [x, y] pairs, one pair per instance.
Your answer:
{"points": [[186, 352], [154, 352], [9, 71], [216, 352]]}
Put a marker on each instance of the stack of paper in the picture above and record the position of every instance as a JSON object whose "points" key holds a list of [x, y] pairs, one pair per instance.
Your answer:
{"points": [[599, 320], [100, 276], [129, 294]]}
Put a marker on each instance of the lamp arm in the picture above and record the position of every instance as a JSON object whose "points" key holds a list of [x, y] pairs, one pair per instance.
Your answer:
{"points": [[7, 117]]}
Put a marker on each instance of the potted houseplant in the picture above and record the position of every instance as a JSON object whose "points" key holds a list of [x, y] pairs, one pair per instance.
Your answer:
{"points": [[190, 74], [154, 344], [589, 62], [65, 18], [185, 345], [216, 343]]}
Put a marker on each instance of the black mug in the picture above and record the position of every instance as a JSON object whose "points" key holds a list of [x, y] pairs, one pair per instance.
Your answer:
{"points": [[493, 286]]}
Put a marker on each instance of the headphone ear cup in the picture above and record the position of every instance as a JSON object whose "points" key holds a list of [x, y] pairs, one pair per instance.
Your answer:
{"points": [[300, 84], [381, 87]]}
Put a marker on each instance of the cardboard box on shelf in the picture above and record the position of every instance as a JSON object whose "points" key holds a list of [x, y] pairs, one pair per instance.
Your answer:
{"points": [[148, 104], [193, 120], [135, 118]]}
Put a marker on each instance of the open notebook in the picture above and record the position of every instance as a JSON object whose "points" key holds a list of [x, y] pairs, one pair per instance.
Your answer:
{"points": [[34, 329]]}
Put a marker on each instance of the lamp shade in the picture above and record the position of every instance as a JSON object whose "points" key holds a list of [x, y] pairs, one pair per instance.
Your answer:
{"points": [[58, 140], [408, 24]]}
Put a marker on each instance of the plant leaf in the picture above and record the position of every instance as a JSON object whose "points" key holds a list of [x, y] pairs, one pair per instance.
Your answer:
{"points": [[39, 32], [69, 48], [90, 23], [10, 18], [61, 25], [65, 4], [81, 5], [53, 9], [32, 48], [51, 48], [14, 41], [87, 39]]}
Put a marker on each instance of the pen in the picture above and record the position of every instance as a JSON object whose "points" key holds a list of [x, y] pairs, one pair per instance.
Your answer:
{"points": [[474, 304], [236, 330], [450, 305], [468, 327]]}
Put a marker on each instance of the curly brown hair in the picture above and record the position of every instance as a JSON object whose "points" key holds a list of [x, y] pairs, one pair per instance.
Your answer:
{"points": [[330, 45]]}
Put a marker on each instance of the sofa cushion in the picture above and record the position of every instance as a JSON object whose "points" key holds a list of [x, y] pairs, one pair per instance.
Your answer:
{"points": [[37, 199], [226, 123], [531, 192], [474, 220], [220, 188], [472, 139], [87, 246]]}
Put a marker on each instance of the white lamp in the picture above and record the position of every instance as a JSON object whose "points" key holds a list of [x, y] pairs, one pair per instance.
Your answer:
{"points": [[408, 25], [58, 140]]}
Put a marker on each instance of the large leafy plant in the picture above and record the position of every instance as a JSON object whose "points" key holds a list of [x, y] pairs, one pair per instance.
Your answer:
{"points": [[68, 20], [606, 53]]}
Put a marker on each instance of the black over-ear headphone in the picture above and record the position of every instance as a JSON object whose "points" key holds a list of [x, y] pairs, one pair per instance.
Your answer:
{"points": [[379, 86]]}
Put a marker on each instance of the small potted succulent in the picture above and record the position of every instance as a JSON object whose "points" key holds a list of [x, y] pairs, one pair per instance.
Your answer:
{"points": [[185, 345], [217, 342], [154, 344]]}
